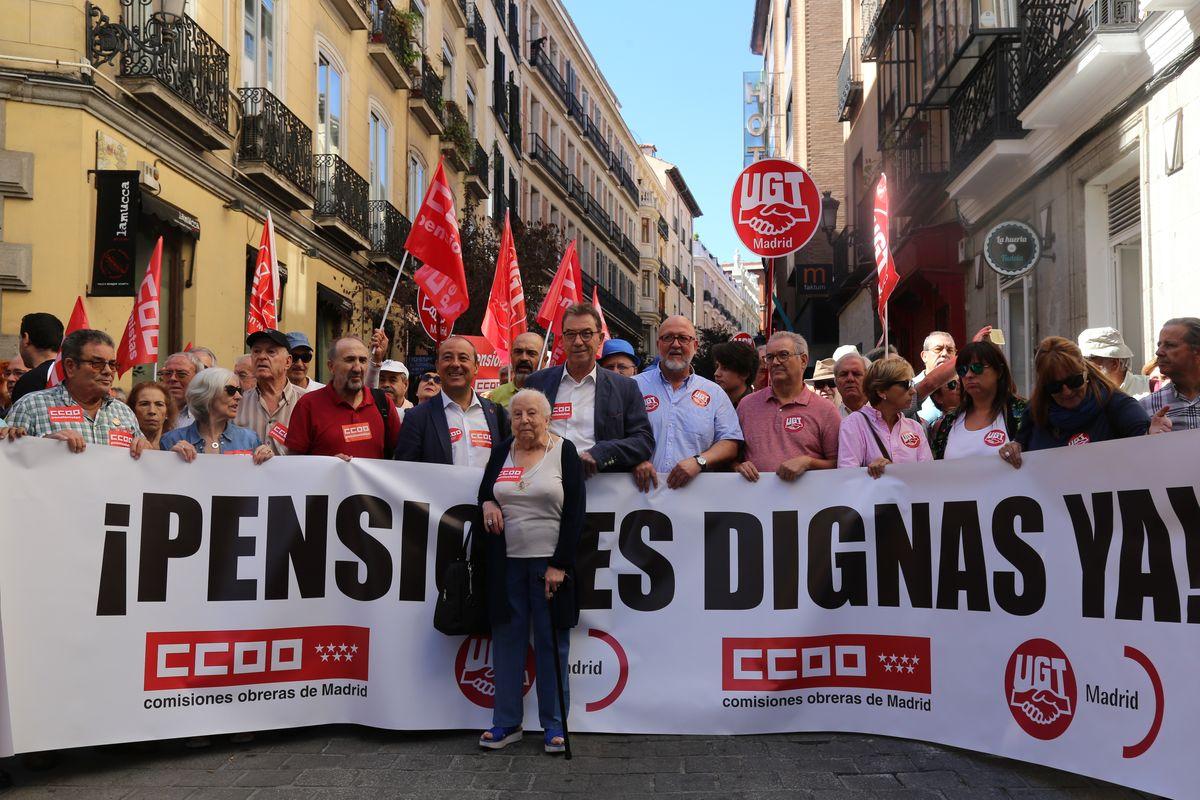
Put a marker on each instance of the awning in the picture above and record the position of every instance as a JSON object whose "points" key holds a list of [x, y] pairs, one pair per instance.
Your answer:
{"points": [[171, 215]]}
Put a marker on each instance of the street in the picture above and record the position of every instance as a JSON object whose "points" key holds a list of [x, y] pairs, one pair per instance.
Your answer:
{"points": [[352, 762]]}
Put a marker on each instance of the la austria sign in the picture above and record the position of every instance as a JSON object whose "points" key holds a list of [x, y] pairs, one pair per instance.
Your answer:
{"points": [[776, 207]]}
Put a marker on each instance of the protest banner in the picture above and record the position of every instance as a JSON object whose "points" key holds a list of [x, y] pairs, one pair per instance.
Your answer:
{"points": [[1041, 614]]}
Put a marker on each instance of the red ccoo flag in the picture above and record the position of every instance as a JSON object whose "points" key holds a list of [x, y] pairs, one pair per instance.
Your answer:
{"points": [[884, 265], [264, 292], [139, 343], [565, 290], [78, 321], [604, 334], [434, 241], [504, 319]]}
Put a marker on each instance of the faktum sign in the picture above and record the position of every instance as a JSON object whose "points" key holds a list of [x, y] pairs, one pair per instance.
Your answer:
{"points": [[1012, 248]]}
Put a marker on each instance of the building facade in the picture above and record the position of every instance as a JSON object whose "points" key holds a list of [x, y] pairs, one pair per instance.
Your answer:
{"points": [[722, 302], [678, 209]]}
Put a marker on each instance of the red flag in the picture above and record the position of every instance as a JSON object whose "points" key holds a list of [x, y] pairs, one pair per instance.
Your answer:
{"points": [[264, 292], [566, 289], [139, 343], [885, 266], [78, 321], [504, 319], [604, 334], [434, 241]]}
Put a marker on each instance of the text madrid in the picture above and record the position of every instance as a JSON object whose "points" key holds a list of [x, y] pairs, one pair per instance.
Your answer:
{"points": [[829, 558]]}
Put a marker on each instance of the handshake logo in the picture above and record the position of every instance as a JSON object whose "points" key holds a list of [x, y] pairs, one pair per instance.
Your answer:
{"points": [[1041, 690]]}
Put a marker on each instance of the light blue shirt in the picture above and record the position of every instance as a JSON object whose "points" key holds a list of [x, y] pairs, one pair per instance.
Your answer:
{"points": [[688, 420], [234, 439]]}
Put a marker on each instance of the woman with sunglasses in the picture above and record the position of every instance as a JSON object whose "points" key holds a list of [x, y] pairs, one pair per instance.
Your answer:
{"points": [[1073, 403], [991, 411], [879, 434], [430, 385], [213, 397]]}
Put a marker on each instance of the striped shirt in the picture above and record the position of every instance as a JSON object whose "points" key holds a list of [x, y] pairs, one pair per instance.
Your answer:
{"points": [[270, 427], [53, 410], [1183, 413]]}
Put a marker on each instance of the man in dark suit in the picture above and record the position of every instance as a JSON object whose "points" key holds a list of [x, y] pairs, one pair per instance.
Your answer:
{"points": [[601, 412], [457, 426]]}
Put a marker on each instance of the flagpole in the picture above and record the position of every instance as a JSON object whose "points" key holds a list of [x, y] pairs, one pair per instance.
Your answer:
{"points": [[545, 342], [395, 284]]}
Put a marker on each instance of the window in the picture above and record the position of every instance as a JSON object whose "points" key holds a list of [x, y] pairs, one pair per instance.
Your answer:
{"points": [[1016, 306], [1173, 142], [258, 43], [416, 183], [787, 23], [787, 117], [646, 284], [447, 71], [380, 173], [471, 109], [418, 8], [329, 106]]}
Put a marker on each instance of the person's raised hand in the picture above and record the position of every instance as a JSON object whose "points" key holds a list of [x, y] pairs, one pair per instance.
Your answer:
{"points": [[1160, 422]]}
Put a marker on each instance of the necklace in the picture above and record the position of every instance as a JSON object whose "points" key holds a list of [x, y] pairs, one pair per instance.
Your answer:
{"points": [[521, 483], [215, 445]]}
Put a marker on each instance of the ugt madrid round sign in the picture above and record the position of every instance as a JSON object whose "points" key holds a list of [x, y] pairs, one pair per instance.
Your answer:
{"points": [[776, 207]]}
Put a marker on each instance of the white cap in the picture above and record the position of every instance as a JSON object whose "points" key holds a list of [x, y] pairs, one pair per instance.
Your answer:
{"points": [[1103, 343], [844, 350], [394, 366]]}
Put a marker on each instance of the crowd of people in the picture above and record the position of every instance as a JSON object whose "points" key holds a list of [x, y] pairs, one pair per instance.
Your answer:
{"points": [[545, 431]]}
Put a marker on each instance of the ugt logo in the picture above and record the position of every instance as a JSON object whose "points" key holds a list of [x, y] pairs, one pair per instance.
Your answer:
{"points": [[1040, 687], [771, 203]]}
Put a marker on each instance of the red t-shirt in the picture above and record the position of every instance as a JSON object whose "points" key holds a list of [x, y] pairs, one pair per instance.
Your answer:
{"points": [[323, 424]]}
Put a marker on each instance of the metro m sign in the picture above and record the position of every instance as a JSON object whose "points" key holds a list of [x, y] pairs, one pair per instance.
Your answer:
{"points": [[776, 207]]}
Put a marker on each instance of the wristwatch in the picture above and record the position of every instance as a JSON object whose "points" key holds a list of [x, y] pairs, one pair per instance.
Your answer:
{"points": [[702, 461]]}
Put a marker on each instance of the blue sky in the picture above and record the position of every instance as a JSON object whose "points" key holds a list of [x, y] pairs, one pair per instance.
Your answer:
{"points": [[676, 67]]}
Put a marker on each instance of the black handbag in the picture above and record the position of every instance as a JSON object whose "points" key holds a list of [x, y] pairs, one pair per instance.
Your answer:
{"points": [[461, 608]]}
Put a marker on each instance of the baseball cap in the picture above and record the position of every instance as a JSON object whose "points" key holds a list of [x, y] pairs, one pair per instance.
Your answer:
{"points": [[391, 365], [1103, 343], [275, 336], [298, 339], [615, 347]]}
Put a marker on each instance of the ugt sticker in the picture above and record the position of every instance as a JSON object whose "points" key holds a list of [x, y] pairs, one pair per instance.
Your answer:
{"points": [[651, 402], [701, 398]]}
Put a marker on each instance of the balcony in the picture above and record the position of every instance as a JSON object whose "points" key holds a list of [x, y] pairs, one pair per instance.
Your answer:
{"points": [[501, 7], [477, 36], [591, 132], [275, 149], [458, 144], [629, 251], [514, 31], [626, 181], [918, 164], [500, 100], [549, 73], [664, 231], [955, 35], [664, 275], [476, 183], [390, 44], [514, 115], [676, 278], [457, 12], [596, 216], [575, 110], [869, 18], [850, 85], [341, 209], [499, 205], [186, 82], [355, 13], [576, 193], [425, 100], [389, 231], [1072, 61], [548, 160]]}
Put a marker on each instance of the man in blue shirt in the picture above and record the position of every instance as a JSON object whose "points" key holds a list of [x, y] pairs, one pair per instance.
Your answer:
{"points": [[695, 425]]}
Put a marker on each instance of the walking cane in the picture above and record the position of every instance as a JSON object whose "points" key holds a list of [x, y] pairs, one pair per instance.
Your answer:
{"points": [[562, 698]]}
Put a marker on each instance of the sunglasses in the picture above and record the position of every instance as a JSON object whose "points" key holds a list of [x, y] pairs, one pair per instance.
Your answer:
{"points": [[951, 385], [431, 376], [975, 368], [1073, 382], [906, 385], [303, 355], [823, 384], [233, 390]]}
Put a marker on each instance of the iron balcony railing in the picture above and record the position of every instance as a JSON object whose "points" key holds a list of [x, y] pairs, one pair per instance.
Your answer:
{"points": [[341, 193], [576, 193], [500, 100], [575, 109], [664, 274], [389, 229], [480, 165], [541, 61], [663, 229], [985, 107], [387, 29], [514, 116], [591, 132], [625, 179], [868, 17], [917, 164], [429, 87], [500, 9], [596, 213], [514, 30], [850, 84], [477, 28], [499, 205], [1055, 33], [191, 64], [275, 136], [629, 250], [543, 155]]}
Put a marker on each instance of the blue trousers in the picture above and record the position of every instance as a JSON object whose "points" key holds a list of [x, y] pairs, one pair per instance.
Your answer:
{"points": [[526, 590]]}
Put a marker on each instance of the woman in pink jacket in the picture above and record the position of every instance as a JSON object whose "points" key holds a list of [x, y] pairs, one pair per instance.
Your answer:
{"points": [[879, 434]]}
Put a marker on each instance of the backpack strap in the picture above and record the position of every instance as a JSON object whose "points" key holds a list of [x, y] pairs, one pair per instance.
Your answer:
{"points": [[883, 451], [380, 398]]}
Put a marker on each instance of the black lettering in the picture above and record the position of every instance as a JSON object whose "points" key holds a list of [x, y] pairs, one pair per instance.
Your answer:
{"points": [[822, 562], [1183, 501], [641, 555], [158, 546], [414, 544], [896, 553], [1092, 541], [1140, 516], [785, 553], [374, 556], [961, 536], [226, 547], [590, 559], [110, 598], [719, 530], [303, 547], [1020, 554]]}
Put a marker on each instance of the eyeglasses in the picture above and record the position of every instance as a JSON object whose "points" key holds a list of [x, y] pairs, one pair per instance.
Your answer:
{"points": [[431, 376], [232, 390], [975, 368], [680, 338], [823, 384], [98, 364], [1073, 382], [583, 336], [780, 357], [175, 373], [303, 355], [905, 385]]}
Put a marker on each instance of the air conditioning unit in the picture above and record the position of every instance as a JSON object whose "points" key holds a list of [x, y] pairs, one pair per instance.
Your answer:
{"points": [[148, 176]]}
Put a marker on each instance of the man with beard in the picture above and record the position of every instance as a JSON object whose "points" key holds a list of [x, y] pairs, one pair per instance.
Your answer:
{"points": [[601, 412], [455, 426], [346, 418], [523, 356], [694, 422]]}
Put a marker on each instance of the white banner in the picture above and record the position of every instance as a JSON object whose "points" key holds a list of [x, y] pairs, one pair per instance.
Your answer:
{"points": [[1043, 614]]}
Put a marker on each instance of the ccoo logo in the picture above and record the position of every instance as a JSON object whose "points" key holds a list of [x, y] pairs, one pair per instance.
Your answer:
{"points": [[1039, 685]]}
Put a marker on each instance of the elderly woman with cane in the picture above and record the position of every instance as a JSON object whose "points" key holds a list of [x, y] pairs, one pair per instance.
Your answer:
{"points": [[533, 499]]}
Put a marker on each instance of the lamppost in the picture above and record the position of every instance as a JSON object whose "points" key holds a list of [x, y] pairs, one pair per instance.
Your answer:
{"points": [[147, 26], [829, 212]]}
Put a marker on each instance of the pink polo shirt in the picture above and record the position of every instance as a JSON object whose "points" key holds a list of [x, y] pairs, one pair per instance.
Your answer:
{"points": [[905, 443], [775, 432]]}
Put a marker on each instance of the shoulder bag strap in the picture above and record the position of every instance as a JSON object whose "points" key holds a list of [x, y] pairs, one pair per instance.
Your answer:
{"points": [[883, 451]]}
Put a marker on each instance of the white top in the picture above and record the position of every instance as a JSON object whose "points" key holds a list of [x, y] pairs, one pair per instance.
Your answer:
{"points": [[312, 386], [183, 419], [574, 414], [532, 502], [470, 437], [1136, 385], [964, 443]]}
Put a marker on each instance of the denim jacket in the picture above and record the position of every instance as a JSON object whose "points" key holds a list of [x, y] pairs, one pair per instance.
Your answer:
{"points": [[235, 439]]}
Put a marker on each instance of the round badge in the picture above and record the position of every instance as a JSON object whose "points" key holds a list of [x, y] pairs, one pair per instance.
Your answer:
{"points": [[701, 398], [1040, 688], [994, 438], [1079, 438], [793, 424], [910, 440], [651, 403]]}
